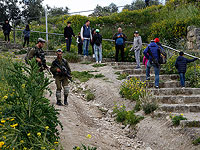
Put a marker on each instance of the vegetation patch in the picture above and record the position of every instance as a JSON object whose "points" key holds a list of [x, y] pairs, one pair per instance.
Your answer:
{"points": [[99, 76], [72, 57], [196, 141], [84, 147], [86, 62], [82, 76], [122, 76], [149, 107], [99, 65], [176, 119], [22, 51], [89, 95], [126, 117]]}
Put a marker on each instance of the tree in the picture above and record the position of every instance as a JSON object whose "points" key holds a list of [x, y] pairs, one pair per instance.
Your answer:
{"points": [[57, 10], [104, 11], [32, 9]]}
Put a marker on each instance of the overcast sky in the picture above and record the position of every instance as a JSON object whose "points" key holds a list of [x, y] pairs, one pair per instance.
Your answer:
{"points": [[81, 5]]}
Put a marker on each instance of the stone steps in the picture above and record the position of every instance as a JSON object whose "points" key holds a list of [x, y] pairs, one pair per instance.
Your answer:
{"points": [[165, 84], [176, 91], [162, 77], [171, 99], [180, 108], [122, 67], [139, 71], [122, 63]]}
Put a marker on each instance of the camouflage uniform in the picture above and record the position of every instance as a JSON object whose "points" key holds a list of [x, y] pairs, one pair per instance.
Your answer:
{"points": [[37, 53], [61, 79]]}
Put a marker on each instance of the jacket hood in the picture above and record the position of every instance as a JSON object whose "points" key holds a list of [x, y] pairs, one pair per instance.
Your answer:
{"points": [[153, 44]]}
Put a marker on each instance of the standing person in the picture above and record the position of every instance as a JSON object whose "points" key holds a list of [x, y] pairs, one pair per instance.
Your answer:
{"points": [[80, 44], [68, 33], [38, 54], [98, 46], [120, 39], [92, 42], [181, 65], [26, 33], [86, 36], [137, 46], [6, 30], [151, 53], [61, 71]]}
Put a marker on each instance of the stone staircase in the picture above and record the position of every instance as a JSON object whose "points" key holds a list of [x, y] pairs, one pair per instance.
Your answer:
{"points": [[172, 98]]}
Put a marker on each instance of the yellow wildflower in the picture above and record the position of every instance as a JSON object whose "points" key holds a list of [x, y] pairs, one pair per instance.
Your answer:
{"points": [[24, 148], [1, 144], [43, 148], [21, 141], [28, 134], [5, 97], [3, 121], [12, 119], [181, 114], [14, 125], [55, 142], [38, 134], [23, 86], [4, 137], [47, 127], [89, 136]]}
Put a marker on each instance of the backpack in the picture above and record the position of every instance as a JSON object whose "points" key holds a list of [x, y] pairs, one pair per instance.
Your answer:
{"points": [[98, 40], [162, 56], [27, 54], [119, 41]]}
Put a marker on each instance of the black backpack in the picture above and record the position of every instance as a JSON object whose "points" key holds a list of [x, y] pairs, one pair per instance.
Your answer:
{"points": [[162, 56], [98, 40]]}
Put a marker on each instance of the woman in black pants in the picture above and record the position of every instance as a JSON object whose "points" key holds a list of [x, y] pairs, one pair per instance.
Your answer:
{"points": [[6, 30], [26, 35]]}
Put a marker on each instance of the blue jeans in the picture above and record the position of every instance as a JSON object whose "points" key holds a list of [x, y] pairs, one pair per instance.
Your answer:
{"points": [[182, 79], [68, 44], [85, 47], [98, 50], [156, 70]]}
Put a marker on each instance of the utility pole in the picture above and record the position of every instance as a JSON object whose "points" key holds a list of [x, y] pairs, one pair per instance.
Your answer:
{"points": [[46, 27]]}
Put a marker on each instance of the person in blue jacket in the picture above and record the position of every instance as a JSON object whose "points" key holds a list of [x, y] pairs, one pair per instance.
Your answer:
{"points": [[181, 65], [26, 33], [151, 53]]}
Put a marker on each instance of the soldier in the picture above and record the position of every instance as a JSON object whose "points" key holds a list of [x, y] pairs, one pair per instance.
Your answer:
{"points": [[61, 71], [38, 54]]}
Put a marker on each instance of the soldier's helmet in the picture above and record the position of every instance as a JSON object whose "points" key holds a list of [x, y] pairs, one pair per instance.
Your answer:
{"points": [[59, 50], [41, 40]]}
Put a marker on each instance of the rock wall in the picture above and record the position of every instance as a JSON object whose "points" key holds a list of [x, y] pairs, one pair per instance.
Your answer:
{"points": [[193, 38]]}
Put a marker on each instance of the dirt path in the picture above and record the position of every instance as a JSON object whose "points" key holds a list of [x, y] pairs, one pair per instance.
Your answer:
{"points": [[81, 118]]}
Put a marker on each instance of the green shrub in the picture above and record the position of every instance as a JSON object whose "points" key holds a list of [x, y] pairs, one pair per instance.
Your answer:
{"points": [[193, 76], [99, 76], [196, 141], [133, 89], [149, 107], [82, 76], [176, 119], [138, 105], [89, 95], [28, 120], [169, 67], [72, 57], [86, 62], [126, 117]]}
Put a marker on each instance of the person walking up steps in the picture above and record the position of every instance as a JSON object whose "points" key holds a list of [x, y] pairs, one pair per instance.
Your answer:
{"points": [[98, 46], [137, 46], [120, 39], [68, 33], [6, 30], [86, 36], [151, 53], [26, 33], [181, 65], [62, 74]]}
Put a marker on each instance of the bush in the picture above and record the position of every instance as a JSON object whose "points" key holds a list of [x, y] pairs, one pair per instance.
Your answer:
{"points": [[169, 67], [83, 147], [149, 107], [98, 65], [133, 89], [176, 119], [122, 76], [72, 57], [193, 76], [126, 117], [99, 76], [27, 118]]}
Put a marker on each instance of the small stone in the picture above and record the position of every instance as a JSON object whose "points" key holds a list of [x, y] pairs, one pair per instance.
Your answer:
{"points": [[148, 148]]}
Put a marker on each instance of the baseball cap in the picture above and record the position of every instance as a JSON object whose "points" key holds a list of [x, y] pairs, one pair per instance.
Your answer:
{"points": [[136, 32], [97, 30], [59, 50], [41, 40]]}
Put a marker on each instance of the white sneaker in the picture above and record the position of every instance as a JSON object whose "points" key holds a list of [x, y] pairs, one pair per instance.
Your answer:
{"points": [[96, 62], [100, 62], [85, 57], [93, 56]]}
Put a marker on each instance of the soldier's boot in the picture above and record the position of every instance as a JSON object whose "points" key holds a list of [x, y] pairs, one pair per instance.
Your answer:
{"points": [[58, 97], [66, 92]]}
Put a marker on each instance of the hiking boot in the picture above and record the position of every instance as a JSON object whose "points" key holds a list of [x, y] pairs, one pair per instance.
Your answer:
{"points": [[138, 67], [59, 103], [65, 101]]}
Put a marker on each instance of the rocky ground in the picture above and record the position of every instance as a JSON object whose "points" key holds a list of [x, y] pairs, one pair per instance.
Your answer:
{"points": [[81, 118]]}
